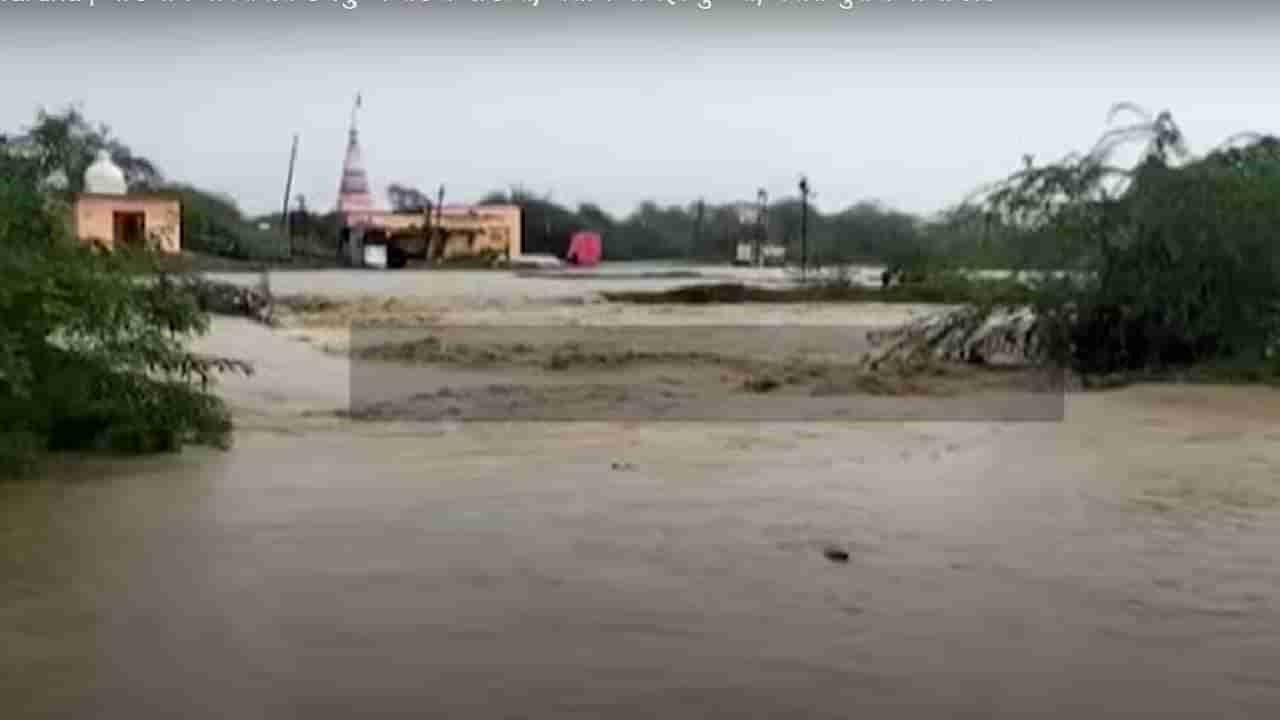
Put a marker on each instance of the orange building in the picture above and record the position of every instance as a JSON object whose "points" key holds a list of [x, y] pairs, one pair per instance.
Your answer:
{"points": [[108, 216], [471, 229], [139, 220]]}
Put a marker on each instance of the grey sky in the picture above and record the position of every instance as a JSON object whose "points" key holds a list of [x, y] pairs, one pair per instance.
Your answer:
{"points": [[914, 104]]}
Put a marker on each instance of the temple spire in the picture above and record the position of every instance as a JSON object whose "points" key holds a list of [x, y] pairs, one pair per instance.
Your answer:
{"points": [[353, 189], [354, 109]]}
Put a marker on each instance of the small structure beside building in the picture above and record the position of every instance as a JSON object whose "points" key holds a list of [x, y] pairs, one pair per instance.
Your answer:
{"points": [[585, 249], [108, 216], [753, 247], [751, 253]]}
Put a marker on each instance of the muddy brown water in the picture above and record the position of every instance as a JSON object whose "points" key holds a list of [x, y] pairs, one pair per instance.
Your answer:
{"points": [[491, 571], [1119, 563]]}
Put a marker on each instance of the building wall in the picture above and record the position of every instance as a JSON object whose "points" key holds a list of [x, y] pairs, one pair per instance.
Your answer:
{"points": [[95, 219], [496, 228]]}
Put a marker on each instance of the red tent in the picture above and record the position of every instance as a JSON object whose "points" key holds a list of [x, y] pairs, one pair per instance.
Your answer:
{"points": [[585, 248]]}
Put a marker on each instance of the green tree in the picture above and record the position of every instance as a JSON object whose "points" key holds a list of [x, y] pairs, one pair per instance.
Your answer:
{"points": [[92, 356], [1179, 265], [213, 224], [404, 198], [63, 144]]}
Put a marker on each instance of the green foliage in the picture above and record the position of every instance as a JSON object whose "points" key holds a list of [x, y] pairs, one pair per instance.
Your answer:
{"points": [[407, 199], [213, 224], [92, 356], [865, 232], [1180, 262], [60, 146], [63, 145], [548, 226]]}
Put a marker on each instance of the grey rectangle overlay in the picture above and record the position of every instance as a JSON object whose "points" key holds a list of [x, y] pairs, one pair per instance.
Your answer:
{"points": [[701, 373]]}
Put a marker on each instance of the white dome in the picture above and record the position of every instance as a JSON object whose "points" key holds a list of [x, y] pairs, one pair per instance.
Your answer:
{"points": [[103, 177]]}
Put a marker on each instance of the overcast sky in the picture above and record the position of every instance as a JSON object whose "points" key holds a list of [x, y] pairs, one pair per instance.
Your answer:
{"points": [[911, 103]]}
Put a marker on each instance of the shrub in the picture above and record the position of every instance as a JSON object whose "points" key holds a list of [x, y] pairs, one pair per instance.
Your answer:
{"points": [[1183, 268], [214, 225], [91, 355]]}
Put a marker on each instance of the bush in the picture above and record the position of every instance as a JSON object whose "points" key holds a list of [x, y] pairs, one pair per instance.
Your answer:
{"points": [[91, 356], [1184, 268], [214, 225]]}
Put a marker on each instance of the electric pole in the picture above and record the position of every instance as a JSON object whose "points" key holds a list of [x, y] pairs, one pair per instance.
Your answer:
{"points": [[804, 225], [438, 231], [288, 188], [697, 228], [762, 226]]}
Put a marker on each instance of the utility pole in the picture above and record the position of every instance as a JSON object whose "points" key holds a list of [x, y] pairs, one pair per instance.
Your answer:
{"points": [[288, 188], [439, 229], [804, 225], [762, 225], [697, 228]]}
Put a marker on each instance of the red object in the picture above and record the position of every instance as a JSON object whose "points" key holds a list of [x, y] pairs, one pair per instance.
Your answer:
{"points": [[585, 249]]}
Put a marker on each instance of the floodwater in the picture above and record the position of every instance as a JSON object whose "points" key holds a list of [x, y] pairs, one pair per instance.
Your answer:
{"points": [[480, 286], [1119, 563]]}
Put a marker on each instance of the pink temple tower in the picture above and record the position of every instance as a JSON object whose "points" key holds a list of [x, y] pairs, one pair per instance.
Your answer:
{"points": [[353, 189]]}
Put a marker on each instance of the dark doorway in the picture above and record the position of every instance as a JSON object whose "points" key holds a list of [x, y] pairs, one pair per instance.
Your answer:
{"points": [[129, 228]]}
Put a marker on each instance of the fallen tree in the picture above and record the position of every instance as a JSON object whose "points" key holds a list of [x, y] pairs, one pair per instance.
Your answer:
{"points": [[974, 335]]}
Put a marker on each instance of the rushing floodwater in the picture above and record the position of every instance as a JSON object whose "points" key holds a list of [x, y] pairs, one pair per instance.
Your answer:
{"points": [[484, 286], [479, 572], [1119, 563]]}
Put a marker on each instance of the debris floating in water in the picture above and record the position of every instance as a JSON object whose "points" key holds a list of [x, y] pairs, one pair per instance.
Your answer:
{"points": [[835, 554]]}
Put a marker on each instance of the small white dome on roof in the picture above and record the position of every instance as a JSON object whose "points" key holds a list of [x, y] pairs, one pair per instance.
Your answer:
{"points": [[104, 178]]}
